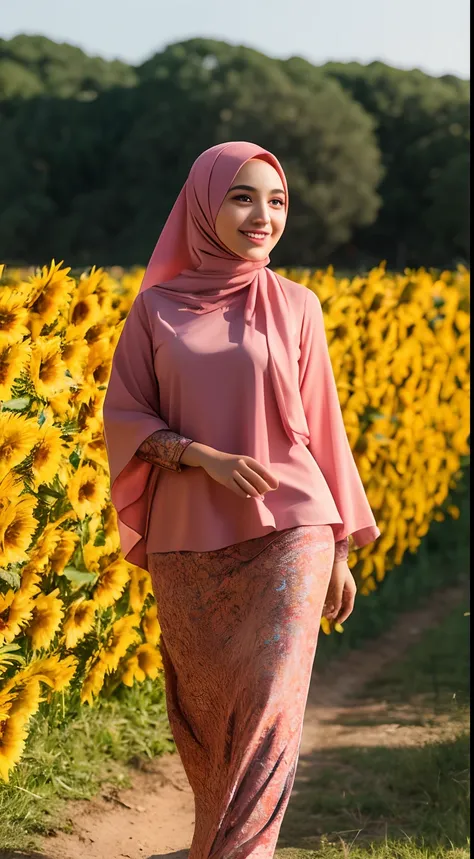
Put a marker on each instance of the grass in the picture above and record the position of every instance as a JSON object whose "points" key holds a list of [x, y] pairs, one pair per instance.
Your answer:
{"points": [[391, 850], [395, 801], [69, 758]]}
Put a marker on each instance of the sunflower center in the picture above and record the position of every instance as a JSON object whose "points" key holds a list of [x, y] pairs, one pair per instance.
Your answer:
{"points": [[41, 455], [7, 318], [87, 490], [47, 371], [12, 533], [80, 614], [80, 312], [4, 367]]}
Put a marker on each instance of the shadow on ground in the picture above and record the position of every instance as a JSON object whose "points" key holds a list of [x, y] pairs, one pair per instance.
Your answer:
{"points": [[377, 792], [177, 854]]}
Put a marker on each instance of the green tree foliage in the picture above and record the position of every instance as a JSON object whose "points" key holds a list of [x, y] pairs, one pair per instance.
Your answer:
{"points": [[30, 65], [97, 151], [422, 126]]}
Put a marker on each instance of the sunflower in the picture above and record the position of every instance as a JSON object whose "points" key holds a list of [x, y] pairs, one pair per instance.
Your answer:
{"points": [[26, 701], [30, 579], [94, 556], [145, 662], [140, 588], [111, 583], [51, 670], [17, 526], [84, 312], [47, 369], [64, 549], [46, 619], [87, 491], [99, 361], [95, 451], [80, 620], [123, 634], [13, 733], [13, 318], [75, 353], [18, 435], [61, 405], [49, 540], [51, 289], [14, 360], [93, 683], [150, 625], [47, 454], [15, 613]]}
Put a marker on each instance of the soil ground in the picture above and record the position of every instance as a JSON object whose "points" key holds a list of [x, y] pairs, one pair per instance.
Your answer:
{"points": [[154, 818]]}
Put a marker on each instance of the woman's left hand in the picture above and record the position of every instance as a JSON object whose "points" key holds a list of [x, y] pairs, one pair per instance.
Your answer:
{"points": [[341, 593]]}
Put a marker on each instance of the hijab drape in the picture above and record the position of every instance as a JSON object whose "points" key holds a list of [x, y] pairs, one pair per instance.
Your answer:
{"points": [[192, 266]]}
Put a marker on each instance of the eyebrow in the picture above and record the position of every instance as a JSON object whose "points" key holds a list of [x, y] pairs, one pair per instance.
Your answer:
{"points": [[251, 188]]}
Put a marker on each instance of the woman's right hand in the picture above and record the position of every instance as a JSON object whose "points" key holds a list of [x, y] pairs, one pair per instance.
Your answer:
{"points": [[241, 474]]}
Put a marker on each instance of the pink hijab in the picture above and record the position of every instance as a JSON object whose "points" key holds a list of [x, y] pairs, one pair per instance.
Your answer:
{"points": [[191, 266]]}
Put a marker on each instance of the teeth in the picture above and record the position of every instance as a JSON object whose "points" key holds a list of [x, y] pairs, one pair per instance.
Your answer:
{"points": [[255, 235]]}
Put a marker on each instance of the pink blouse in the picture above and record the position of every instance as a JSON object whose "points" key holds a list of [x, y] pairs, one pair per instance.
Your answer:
{"points": [[196, 375], [168, 449]]}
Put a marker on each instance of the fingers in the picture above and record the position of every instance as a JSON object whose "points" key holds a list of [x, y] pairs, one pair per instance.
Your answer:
{"points": [[267, 476], [244, 485], [348, 600], [254, 477], [333, 603]]}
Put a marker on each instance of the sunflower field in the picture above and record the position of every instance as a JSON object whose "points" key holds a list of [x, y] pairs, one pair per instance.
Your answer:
{"points": [[74, 616]]}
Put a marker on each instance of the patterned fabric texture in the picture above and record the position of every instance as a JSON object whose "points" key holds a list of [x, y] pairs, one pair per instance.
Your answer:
{"points": [[239, 633]]}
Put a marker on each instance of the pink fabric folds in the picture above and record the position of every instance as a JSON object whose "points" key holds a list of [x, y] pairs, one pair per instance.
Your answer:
{"points": [[192, 268], [204, 272]]}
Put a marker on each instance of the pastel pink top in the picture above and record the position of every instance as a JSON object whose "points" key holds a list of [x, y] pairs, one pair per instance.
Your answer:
{"points": [[197, 375], [219, 348]]}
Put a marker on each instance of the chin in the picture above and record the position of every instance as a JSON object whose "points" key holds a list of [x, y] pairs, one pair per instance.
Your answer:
{"points": [[256, 254]]}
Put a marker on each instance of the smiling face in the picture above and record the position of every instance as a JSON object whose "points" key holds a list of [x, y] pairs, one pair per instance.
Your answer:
{"points": [[252, 216]]}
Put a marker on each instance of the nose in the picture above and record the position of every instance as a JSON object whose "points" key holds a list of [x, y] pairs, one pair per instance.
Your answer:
{"points": [[261, 215]]}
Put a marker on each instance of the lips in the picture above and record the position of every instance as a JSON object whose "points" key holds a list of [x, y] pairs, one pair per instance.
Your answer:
{"points": [[257, 238]]}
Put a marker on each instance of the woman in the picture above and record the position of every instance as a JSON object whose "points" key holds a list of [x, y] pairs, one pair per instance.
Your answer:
{"points": [[235, 485]]}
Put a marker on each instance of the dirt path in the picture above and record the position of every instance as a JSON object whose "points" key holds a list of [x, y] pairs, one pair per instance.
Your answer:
{"points": [[154, 818]]}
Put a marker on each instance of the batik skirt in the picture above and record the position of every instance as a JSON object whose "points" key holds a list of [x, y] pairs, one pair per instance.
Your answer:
{"points": [[239, 633]]}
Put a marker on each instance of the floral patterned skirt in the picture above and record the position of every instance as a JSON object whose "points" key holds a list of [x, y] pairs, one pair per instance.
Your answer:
{"points": [[239, 632]]}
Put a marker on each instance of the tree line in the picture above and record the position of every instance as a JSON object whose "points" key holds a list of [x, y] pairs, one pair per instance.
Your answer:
{"points": [[94, 152]]}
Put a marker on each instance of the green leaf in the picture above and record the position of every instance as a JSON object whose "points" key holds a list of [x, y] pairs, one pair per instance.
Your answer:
{"points": [[17, 405], [8, 655], [79, 577], [12, 579], [74, 459], [100, 538]]}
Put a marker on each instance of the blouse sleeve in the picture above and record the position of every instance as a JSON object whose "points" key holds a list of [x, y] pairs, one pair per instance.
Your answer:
{"points": [[131, 414], [341, 552], [328, 440], [165, 449]]}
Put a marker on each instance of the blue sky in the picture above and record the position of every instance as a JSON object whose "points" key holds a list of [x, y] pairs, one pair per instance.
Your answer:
{"points": [[429, 34]]}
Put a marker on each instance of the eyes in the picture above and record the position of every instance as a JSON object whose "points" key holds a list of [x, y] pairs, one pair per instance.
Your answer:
{"points": [[245, 198]]}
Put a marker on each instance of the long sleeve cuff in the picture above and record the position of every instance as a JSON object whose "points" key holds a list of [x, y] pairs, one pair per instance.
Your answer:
{"points": [[342, 550], [165, 449]]}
